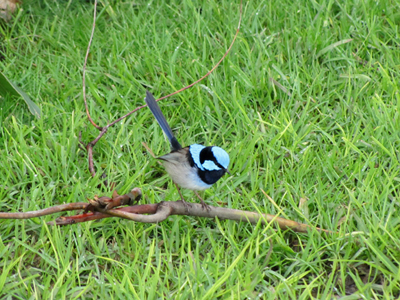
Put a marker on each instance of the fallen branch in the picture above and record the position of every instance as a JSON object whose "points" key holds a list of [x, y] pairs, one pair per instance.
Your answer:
{"points": [[154, 213]]}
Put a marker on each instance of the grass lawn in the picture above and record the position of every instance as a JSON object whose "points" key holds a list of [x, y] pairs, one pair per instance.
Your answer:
{"points": [[321, 139]]}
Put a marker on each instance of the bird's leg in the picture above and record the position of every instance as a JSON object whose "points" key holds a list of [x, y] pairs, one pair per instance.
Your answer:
{"points": [[203, 204], [183, 200]]}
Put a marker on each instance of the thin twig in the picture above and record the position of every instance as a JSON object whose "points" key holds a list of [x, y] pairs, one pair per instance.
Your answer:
{"points": [[89, 148], [219, 62], [84, 68], [44, 212]]}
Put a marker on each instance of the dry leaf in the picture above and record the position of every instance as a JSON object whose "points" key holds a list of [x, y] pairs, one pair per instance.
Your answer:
{"points": [[7, 8]]}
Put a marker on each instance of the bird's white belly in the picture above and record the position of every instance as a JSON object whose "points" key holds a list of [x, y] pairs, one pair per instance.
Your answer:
{"points": [[185, 176]]}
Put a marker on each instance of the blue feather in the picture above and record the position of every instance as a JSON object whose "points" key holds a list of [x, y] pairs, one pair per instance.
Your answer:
{"points": [[195, 150], [209, 165], [221, 156]]}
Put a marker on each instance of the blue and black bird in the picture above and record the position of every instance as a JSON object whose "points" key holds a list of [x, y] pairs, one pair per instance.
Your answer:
{"points": [[195, 167]]}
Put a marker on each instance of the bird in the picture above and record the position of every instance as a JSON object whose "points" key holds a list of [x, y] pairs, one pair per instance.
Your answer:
{"points": [[195, 167]]}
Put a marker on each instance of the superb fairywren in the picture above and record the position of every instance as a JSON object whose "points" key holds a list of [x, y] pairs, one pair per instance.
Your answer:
{"points": [[195, 167]]}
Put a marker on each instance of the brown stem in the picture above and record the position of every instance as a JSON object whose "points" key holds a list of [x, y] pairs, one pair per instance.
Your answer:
{"points": [[44, 212], [137, 209], [89, 149], [154, 213], [219, 62], [159, 212], [84, 68]]}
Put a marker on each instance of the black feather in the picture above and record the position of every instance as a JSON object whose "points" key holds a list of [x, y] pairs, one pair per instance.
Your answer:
{"points": [[155, 109]]}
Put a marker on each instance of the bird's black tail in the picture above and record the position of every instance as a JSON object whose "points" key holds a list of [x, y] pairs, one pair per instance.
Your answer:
{"points": [[155, 109]]}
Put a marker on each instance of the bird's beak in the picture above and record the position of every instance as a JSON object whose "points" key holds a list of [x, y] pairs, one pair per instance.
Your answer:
{"points": [[228, 172]]}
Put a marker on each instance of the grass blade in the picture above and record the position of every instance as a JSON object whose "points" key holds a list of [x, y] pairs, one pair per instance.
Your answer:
{"points": [[7, 87]]}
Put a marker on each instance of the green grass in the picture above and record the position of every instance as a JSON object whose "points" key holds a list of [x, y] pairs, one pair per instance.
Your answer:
{"points": [[334, 142]]}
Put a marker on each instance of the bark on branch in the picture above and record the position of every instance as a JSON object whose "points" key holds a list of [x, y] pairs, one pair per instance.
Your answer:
{"points": [[154, 213]]}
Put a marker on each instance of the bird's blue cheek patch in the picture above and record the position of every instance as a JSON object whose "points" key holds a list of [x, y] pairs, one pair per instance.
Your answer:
{"points": [[195, 150], [221, 156], [210, 166]]}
